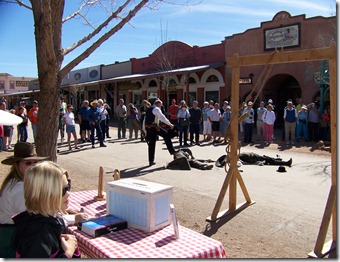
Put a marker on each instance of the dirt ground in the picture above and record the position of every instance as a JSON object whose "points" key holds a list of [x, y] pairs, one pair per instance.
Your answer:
{"points": [[191, 216]]}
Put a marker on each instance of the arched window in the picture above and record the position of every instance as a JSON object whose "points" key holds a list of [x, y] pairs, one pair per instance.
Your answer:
{"points": [[192, 80], [152, 83], [212, 78]]}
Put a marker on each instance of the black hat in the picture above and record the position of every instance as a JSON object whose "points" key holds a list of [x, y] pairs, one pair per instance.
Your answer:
{"points": [[281, 169], [220, 162], [22, 151]]}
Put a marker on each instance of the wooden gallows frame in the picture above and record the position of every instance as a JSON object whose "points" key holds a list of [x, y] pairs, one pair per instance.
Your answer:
{"points": [[233, 176]]}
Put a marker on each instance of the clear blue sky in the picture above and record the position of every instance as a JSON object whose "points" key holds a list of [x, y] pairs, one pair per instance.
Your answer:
{"points": [[204, 24]]}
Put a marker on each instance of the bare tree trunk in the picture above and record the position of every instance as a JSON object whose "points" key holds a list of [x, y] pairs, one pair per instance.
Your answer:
{"points": [[47, 25]]}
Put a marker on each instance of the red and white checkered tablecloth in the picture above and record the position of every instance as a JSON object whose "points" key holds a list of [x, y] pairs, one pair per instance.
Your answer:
{"points": [[135, 243]]}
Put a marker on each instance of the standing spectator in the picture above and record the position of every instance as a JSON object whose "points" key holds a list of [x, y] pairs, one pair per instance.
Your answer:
{"points": [[215, 117], [40, 230], [68, 121], [223, 124], [12, 111], [107, 121], [22, 127], [259, 122], [133, 121], [249, 123], [268, 124], [94, 117], [7, 129], [84, 121], [183, 118], [313, 121], [33, 117], [242, 124], [62, 111], [195, 120], [172, 112], [145, 105], [1, 136], [104, 114], [225, 121], [206, 122], [325, 122], [121, 115], [299, 104], [23, 104], [290, 117], [302, 124]]}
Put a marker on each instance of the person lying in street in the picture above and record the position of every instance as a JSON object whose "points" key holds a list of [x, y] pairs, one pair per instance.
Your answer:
{"points": [[250, 158]]}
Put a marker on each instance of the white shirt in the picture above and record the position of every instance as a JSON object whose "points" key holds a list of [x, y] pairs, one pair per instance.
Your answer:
{"points": [[12, 202], [160, 116], [269, 117], [69, 118]]}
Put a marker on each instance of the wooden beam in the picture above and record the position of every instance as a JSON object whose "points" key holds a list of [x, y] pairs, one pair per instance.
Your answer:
{"points": [[283, 57]]}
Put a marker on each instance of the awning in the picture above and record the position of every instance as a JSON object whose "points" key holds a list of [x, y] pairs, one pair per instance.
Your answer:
{"points": [[184, 70]]}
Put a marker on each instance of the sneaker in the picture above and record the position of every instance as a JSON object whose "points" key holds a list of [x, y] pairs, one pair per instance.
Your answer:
{"points": [[102, 145], [93, 146], [152, 163], [9, 147], [88, 140]]}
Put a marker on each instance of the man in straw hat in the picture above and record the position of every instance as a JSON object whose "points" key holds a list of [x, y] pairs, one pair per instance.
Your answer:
{"points": [[12, 192], [94, 116]]}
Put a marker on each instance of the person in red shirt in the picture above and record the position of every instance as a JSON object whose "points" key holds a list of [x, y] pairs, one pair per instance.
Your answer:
{"points": [[172, 112], [33, 117]]}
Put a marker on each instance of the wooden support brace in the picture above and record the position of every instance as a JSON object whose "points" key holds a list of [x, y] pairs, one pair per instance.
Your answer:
{"points": [[320, 250]]}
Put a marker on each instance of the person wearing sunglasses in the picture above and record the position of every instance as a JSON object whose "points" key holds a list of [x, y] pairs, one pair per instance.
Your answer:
{"points": [[12, 193], [40, 230], [71, 216]]}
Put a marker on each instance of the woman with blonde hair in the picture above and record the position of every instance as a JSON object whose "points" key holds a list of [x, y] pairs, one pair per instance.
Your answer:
{"points": [[40, 230]]}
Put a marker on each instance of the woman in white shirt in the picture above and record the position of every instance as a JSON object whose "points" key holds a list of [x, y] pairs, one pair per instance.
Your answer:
{"points": [[68, 120], [12, 192], [268, 122]]}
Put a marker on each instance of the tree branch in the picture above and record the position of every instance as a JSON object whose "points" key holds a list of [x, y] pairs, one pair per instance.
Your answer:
{"points": [[78, 12], [101, 40], [98, 29]]}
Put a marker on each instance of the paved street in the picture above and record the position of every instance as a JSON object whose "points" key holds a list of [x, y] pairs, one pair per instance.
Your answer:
{"points": [[288, 210]]}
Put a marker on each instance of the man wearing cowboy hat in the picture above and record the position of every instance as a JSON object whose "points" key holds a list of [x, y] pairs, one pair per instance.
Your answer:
{"points": [[12, 192], [94, 116]]}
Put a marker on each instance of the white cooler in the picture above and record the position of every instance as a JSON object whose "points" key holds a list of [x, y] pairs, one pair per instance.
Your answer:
{"points": [[144, 205]]}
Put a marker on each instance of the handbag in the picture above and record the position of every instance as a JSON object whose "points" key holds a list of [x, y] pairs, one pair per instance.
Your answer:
{"points": [[136, 122], [183, 121]]}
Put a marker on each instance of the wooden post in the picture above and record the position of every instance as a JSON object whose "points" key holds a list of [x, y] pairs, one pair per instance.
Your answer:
{"points": [[101, 194]]}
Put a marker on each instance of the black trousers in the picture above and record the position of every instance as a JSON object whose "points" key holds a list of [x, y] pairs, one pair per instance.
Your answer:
{"points": [[98, 129], [152, 134], [194, 129]]}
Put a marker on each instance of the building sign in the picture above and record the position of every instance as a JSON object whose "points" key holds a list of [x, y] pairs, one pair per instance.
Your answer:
{"points": [[245, 80], [287, 36], [21, 83]]}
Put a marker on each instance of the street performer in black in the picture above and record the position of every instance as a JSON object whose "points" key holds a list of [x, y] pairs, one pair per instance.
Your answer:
{"points": [[151, 125]]}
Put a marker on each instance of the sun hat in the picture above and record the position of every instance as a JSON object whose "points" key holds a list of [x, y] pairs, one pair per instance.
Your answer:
{"points": [[22, 151], [270, 101], [304, 107], [281, 169], [100, 100], [250, 103], [94, 102]]}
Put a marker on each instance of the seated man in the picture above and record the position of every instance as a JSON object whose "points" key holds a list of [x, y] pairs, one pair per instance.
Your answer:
{"points": [[250, 158]]}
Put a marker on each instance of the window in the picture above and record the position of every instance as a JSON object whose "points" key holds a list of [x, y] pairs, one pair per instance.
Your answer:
{"points": [[212, 95], [2, 85], [212, 78], [11, 85], [192, 80], [152, 83], [192, 98]]}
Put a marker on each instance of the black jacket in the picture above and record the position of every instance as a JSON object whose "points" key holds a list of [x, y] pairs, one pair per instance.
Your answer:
{"points": [[37, 236]]}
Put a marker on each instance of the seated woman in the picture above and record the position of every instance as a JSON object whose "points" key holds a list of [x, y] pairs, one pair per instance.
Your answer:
{"points": [[12, 193], [71, 217], [40, 230]]}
